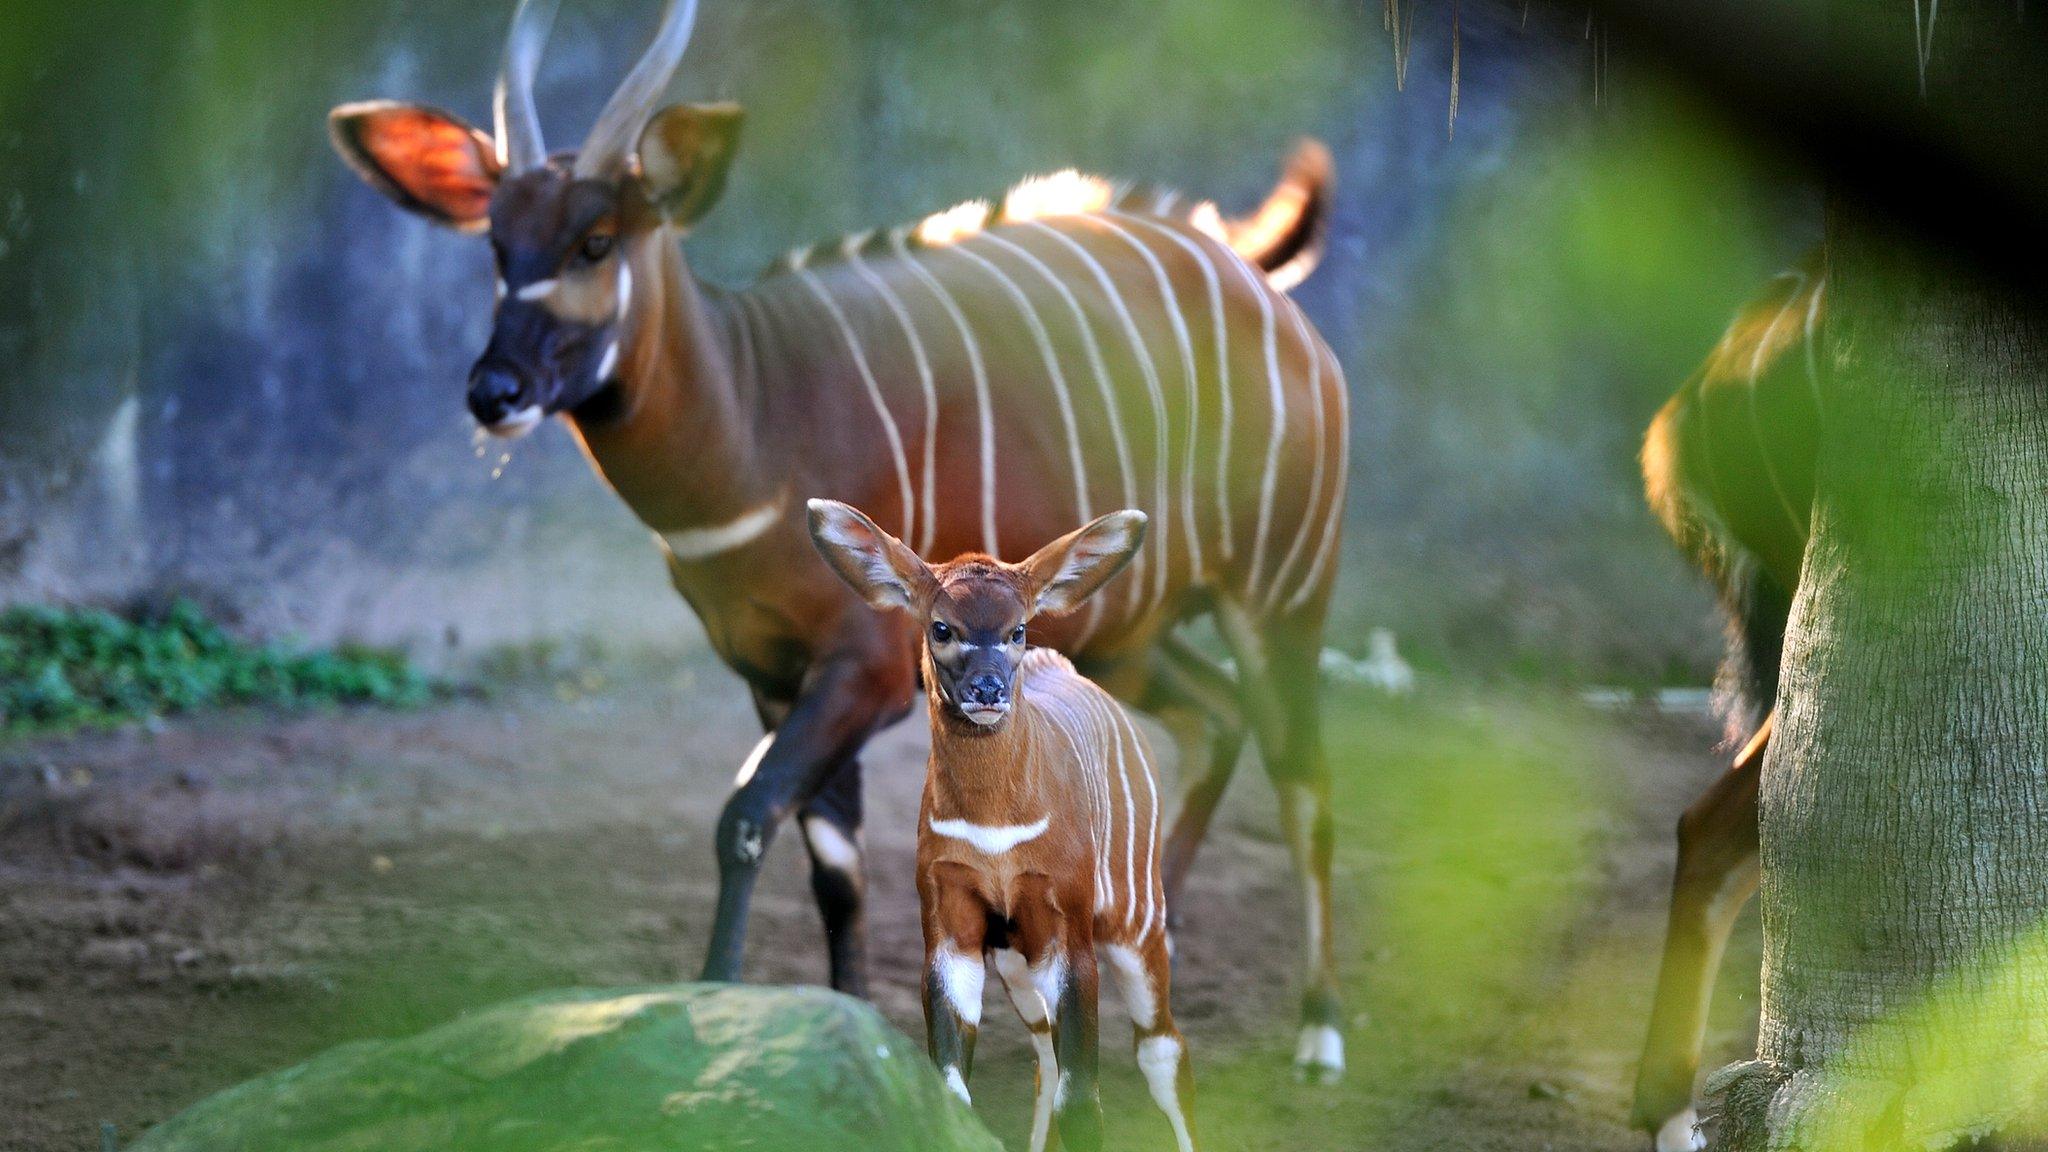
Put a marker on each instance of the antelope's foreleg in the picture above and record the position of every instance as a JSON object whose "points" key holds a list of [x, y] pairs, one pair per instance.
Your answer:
{"points": [[1144, 977], [955, 930], [1077, 1098], [841, 704], [831, 824], [1717, 873]]}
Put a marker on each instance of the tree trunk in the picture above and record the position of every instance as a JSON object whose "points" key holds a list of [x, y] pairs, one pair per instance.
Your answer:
{"points": [[1905, 795]]}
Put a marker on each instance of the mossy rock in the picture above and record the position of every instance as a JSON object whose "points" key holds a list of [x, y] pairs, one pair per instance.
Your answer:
{"points": [[664, 1069]]}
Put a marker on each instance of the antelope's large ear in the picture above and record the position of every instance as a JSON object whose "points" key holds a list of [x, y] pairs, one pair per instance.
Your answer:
{"points": [[1059, 576], [875, 564], [425, 160], [685, 153]]}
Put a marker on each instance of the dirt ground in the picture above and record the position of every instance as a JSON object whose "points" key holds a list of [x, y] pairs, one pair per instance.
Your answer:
{"points": [[186, 905]]}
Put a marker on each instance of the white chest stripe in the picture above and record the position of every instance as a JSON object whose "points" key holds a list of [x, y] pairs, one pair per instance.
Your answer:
{"points": [[690, 545], [992, 839]]}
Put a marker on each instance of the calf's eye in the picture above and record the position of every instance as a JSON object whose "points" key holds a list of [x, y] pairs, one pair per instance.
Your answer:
{"points": [[940, 632], [597, 246], [1017, 635]]}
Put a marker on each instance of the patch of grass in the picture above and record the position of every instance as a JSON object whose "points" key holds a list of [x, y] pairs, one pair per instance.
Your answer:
{"points": [[67, 668]]}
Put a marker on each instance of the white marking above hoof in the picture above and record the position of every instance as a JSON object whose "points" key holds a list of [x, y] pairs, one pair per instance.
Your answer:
{"points": [[1682, 1133], [960, 977], [1319, 1055], [833, 848], [959, 1086]]}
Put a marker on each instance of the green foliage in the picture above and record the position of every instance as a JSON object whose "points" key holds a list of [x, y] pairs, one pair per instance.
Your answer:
{"points": [[71, 668]]}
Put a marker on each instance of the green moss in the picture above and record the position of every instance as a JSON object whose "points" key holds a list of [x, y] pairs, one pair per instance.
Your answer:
{"points": [[64, 668]]}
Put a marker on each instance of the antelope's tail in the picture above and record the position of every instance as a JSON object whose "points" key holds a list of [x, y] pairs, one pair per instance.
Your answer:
{"points": [[1285, 235], [1282, 238]]}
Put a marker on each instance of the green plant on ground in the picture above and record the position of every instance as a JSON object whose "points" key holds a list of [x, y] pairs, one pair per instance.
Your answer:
{"points": [[63, 668]]}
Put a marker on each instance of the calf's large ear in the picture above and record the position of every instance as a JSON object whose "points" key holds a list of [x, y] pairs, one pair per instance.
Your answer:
{"points": [[425, 160], [883, 569], [685, 152], [1064, 573]]}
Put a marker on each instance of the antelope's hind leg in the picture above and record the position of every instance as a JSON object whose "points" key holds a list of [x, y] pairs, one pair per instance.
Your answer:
{"points": [[1717, 872], [1281, 680], [1033, 969], [1197, 701], [1144, 976], [831, 826]]}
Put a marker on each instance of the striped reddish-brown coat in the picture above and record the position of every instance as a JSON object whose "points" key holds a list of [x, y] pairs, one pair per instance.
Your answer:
{"points": [[1038, 840], [981, 394]]}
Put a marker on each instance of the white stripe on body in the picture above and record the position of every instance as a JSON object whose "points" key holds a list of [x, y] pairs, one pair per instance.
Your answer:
{"points": [[1077, 458], [1151, 856], [1226, 531], [1105, 813], [1063, 699], [1315, 483], [924, 375], [867, 376], [1268, 484], [1093, 351], [899, 243], [1123, 773], [693, 545], [991, 839], [1158, 546], [1191, 380], [1333, 523]]}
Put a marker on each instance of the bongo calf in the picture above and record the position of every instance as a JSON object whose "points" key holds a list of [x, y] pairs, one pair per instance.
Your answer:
{"points": [[1038, 839]]}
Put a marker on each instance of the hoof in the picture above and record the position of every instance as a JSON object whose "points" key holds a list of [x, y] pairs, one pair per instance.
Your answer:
{"points": [[1681, 1133], [1319, 1055]]}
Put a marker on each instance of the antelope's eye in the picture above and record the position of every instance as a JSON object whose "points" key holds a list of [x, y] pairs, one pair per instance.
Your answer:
{"points": [[1017, 635], [597, 246], [941, 632]]}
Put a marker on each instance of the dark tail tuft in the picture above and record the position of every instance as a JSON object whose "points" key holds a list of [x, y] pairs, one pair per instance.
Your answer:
{"points": [[1285, 236]]}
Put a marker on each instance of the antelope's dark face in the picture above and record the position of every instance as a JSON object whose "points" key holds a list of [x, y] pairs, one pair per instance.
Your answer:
{"points": [[974, 637], [564, 230], [974, 610], [564, 287]]}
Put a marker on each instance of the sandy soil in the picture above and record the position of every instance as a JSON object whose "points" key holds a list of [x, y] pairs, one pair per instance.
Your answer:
{"points": [[186, 906]]}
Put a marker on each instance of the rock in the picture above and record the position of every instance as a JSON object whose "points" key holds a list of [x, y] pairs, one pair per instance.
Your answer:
{"points": [[665, 1069]]}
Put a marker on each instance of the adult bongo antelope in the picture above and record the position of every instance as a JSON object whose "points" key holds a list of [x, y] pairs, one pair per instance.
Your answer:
{"points": [[1728, 467], [981, 379], [1038, 835]]}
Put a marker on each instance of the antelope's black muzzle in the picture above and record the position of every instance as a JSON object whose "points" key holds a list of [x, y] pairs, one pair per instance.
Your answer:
{"points": [[495, 393], [987, 689]]}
